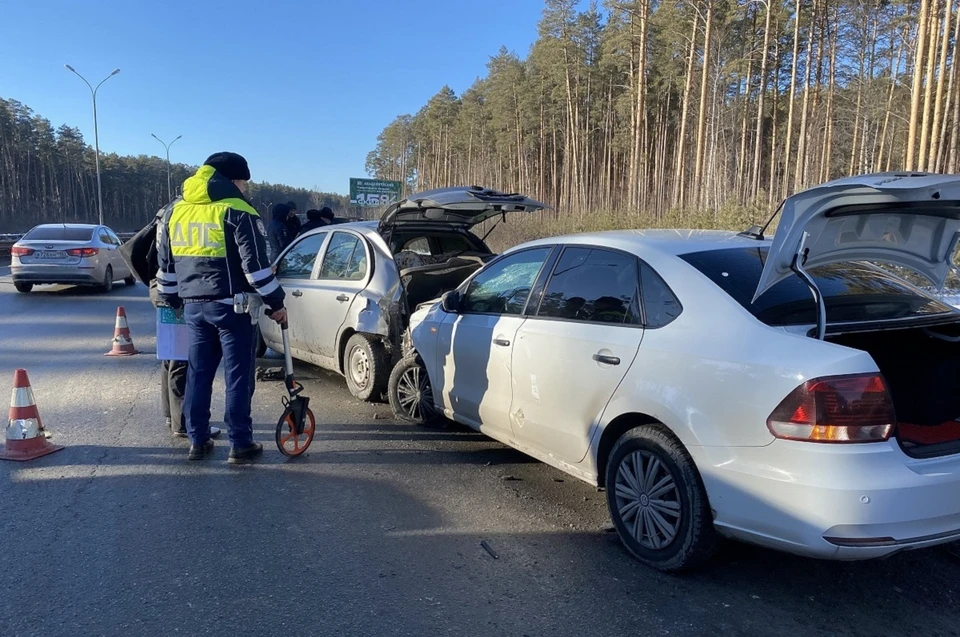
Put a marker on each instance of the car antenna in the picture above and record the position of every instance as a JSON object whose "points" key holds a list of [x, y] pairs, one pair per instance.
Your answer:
{"points": [[756, 232]]}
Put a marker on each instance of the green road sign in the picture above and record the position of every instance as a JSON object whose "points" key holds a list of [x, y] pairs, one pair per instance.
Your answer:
{"points": [[370, 193]]}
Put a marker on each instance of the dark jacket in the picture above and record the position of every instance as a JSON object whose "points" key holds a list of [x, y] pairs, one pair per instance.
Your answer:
{"points": [[278, 232], [293, 224], [212, 245], [312, 225], [317, 219], [140, 254]]}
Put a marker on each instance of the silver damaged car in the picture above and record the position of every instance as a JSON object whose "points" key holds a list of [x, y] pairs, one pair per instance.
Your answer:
{"points": [[352, 287]]}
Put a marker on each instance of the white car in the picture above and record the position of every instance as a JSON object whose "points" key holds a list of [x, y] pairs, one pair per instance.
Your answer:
{"points": [[786, 393]]}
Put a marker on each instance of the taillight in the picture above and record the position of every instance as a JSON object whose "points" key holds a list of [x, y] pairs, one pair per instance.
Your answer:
{"points": [[82, 252], [855, 408], [18, 251]]}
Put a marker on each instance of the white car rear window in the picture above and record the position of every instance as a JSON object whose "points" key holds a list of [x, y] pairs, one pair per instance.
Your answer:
{"points": [[853, 292]]}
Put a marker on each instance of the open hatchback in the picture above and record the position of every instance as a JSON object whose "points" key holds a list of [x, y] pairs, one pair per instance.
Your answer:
{"points": [[460, 207], [909, 220], [409, 225]]}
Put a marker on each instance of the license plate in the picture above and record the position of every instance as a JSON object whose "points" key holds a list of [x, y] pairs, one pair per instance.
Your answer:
{"points": [[51, 254]]}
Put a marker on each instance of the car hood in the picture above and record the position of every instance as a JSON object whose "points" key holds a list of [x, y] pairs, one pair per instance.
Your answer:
{"points": [[463, 207], [906, 219]]}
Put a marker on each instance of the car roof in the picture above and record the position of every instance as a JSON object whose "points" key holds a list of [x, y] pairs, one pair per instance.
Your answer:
{"points": [[670, 242]]}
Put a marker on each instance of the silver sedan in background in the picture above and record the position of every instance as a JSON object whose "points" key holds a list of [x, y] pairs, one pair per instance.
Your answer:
{"points": [[72, 254]]}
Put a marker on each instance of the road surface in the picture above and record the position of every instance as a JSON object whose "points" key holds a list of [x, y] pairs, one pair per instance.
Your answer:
{"points": [[377, 531]]}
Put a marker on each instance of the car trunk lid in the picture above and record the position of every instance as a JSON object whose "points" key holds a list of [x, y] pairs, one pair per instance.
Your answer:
{"points": [[906, 219], [459, 207], [51, 252]]}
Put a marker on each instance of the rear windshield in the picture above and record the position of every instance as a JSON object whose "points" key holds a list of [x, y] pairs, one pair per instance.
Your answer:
{"points": [[59, 233], [434, 243], [853, 292]]}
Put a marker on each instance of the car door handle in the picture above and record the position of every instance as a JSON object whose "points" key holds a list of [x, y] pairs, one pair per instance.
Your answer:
{"points": [[343, 298], [502, 342], [297, 293], [606, 360]]}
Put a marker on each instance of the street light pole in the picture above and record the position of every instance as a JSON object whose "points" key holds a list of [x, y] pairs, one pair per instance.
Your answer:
{"points": [[167, 148], [96, 132]]}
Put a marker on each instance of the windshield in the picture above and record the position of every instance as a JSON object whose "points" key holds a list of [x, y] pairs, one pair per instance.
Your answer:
{"points": [[59, 233], [853, 292]]}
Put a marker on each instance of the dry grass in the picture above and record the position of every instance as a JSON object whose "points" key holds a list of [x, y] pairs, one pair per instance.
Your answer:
{"points": [[519, 228]]}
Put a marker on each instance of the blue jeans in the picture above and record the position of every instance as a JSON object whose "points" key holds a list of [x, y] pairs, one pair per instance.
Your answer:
{"points": [[218, 333]]}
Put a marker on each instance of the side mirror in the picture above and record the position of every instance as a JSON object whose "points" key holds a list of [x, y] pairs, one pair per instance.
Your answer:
{"points": [[450, 302]]}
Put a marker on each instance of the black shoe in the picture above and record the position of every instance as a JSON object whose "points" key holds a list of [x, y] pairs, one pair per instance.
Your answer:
{"points": [[200, 452], [214, 432], [244, 455], [169, 422]]}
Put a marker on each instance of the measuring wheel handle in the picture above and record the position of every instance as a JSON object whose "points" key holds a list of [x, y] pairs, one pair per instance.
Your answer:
{"points": [[297, 425]]}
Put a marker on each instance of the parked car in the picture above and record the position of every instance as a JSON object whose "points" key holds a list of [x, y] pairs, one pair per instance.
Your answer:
{"points": [[68, 253], [787, 393], [350, 287]]}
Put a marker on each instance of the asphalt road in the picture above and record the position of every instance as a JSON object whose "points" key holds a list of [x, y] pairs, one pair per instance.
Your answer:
{"points": [[377, 531]]}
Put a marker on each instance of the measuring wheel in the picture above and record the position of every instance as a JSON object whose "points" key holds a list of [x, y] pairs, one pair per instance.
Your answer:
{"points": [[294, 435], [297, 425]]}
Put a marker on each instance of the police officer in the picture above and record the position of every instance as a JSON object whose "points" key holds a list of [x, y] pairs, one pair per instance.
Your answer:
{"points": [[212, 258]]}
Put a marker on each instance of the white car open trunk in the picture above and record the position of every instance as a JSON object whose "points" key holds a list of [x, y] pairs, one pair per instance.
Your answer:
{"points": [[921, 366]]}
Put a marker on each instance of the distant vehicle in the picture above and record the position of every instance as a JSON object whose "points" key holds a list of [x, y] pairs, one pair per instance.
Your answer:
{"points": [[788, 393], [72, 254], [351, 286]]}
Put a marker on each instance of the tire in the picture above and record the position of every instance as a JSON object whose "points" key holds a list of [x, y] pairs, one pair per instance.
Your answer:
{"points": [[24, 288], [410, 392], [288, 442], [366, 367], [130, 281], [673, 541], [107, 285]]}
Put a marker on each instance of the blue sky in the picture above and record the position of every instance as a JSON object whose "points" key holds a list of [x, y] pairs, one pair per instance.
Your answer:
{"points": [[302, 89]]}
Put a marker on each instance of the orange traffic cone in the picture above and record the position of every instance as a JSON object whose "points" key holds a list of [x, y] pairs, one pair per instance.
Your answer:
{"points": [[25, 436], [122, 343]]}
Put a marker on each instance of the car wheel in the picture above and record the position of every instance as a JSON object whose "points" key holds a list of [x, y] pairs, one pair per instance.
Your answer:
{"points": [[24, 288], [657, 501], [366, 367], [107, 285], [410, 392], [130, 280]]}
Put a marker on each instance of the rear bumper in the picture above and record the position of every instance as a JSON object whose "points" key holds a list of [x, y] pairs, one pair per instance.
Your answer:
{"points": [[831, 501], [67, 274]]}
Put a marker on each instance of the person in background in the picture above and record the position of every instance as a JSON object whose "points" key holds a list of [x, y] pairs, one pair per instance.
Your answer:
{"points": [[278, 232], [173, 384], [212, 275], [317, 219], [142, 259], [293, 221], [327, 215]]}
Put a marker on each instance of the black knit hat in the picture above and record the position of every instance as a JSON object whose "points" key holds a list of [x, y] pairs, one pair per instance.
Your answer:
{"points": [[230, 165]]}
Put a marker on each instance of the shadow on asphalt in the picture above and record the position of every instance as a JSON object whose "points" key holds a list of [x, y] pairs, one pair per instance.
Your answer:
{"points": [[368, 558], [119, 289]]}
